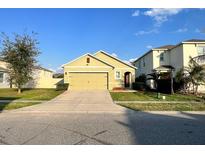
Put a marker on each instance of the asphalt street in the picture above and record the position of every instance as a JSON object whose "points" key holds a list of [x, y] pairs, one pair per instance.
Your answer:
{"points": [[100, 128]]}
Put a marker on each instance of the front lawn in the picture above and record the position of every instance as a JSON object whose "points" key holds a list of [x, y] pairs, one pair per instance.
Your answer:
{"points": [[29, 94], [151, 96], [165, 106], [15, 105]]}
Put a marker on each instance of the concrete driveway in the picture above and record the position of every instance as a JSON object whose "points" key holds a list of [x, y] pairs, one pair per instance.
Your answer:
{"points": [[98, 101]]}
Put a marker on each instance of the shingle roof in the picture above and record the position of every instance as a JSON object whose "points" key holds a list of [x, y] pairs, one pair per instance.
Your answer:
{"points": [[165, 47], [194, 40]]}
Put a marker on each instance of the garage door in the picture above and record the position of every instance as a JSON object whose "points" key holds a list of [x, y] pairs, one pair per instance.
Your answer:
{"points": [[88, 81]]}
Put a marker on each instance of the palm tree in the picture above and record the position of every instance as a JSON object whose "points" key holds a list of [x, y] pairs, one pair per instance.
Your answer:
{"points": [[155, 77]]}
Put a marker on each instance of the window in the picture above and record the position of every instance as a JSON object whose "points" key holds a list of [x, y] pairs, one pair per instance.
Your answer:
{"points": [[162, 57], [139, 64], [88, 60], [201, 50], [117, 75], [143, 62], [1, 77]]}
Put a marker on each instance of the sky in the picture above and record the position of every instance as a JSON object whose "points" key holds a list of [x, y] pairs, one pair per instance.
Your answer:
{"points": [[65, 34]]}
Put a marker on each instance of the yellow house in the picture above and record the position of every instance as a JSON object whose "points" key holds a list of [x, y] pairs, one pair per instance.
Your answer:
{"points": [[42, 78], [98, 71]]}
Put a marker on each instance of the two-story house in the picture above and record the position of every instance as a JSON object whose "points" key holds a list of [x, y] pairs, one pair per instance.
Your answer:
{"points": [[174, 56]]}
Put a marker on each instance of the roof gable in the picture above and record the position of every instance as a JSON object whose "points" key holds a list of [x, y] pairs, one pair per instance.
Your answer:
{"points": [[81, 61], [116, 59]]}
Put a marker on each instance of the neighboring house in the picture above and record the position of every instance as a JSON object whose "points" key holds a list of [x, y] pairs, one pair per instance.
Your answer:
{"points": [[42, 78], [176, 56], [98, 71]]}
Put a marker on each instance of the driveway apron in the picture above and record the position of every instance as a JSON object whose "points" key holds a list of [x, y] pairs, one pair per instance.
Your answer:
{"points": [[98, 101]]}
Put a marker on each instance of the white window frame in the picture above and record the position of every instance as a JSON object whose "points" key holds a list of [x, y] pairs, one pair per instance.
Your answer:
{"points": [[2, 77], [160, 56], [117, 78], [203, 50]]}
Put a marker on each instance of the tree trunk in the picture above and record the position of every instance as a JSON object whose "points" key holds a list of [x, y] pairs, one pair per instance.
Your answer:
{"points": [[196, 90], [172, 83], [11, 83], [193, 88], [19, 90]]}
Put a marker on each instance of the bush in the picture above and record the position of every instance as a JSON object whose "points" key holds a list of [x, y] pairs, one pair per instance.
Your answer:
{"points": [[63, 86], [139, 86], [141, 78]]}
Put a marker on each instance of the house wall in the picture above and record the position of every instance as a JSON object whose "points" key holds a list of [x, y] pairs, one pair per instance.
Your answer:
{"points": [[176, 58], [41, 79], [5, 83], [190, 50], [119, 66], [80, 65], [156, 58], [141, 69]]}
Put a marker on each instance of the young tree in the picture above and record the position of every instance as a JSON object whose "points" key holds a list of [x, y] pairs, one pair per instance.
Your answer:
{"points": [[193, 75], [155, 77], [20, 53]]}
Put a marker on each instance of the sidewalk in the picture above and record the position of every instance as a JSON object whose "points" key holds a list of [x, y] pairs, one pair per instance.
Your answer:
{"points": [[121, 102], [21, 100]]}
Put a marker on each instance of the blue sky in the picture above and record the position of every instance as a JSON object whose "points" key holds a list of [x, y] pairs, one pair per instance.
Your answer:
{"points": [[65, 34]]}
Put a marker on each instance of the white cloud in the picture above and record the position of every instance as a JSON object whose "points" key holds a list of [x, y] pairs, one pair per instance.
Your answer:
{"points": [[160, 15], [136, 13], [149, 46], [127, 62], [114, 54], [133, 59], [181, 30], [142, 32]]}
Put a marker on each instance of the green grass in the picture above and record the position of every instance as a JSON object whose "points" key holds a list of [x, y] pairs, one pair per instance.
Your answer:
{"points": [[15, 105], [165, 106], [29, 94], [151, 96]]}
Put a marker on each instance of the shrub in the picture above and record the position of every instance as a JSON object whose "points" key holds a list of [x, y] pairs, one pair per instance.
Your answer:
{"points": [[62, 86], [139, 86], [141, 78]]}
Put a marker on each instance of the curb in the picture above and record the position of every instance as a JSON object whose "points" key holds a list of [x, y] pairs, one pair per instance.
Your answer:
{"points": [[155, 102]]}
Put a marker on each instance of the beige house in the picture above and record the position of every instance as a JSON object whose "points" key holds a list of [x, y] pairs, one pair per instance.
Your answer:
{"points": [[176, 56], [42, 78], [98, 71]]}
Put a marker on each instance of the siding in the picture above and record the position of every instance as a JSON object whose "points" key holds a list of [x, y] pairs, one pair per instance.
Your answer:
{"points": [[176, 58]]}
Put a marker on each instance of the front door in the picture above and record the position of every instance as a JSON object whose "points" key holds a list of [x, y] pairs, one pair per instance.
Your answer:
{"points": [[127, 80]]}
